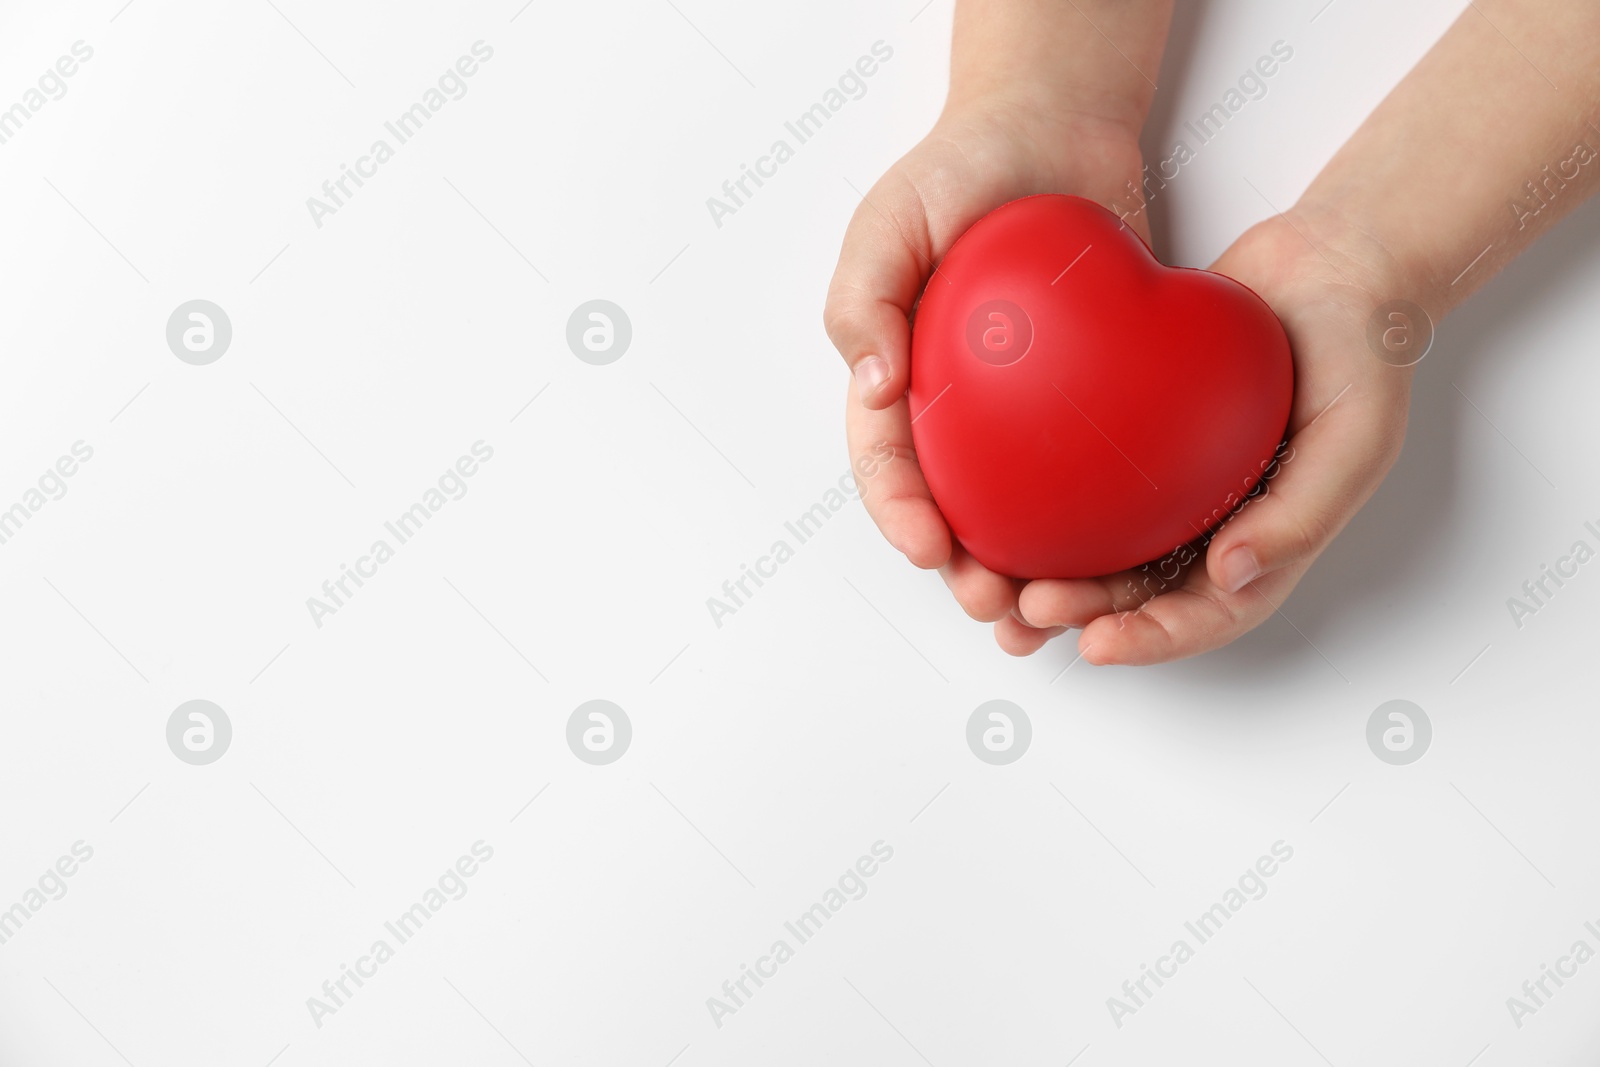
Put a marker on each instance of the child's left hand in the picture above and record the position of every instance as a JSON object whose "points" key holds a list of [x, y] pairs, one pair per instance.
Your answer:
{"points": [[1345, 430]]}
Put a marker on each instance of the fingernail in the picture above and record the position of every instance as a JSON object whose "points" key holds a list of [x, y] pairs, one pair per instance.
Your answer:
{"points": [[871, 373], [1239, 568]]}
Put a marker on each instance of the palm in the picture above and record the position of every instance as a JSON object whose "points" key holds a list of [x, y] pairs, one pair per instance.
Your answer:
{"points": [[1346, 423]]}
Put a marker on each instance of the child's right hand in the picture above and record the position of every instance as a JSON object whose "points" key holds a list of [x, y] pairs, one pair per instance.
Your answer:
{"points": [[977, 157]]}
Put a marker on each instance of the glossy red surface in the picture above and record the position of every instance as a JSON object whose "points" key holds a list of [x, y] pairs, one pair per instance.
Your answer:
{"points": [[1078, 407]]}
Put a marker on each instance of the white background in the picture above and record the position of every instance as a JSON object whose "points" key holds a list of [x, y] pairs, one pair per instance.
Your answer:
{"points": [[769, 753]]}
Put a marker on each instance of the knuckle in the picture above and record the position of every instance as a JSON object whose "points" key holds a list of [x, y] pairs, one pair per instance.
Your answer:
{"points": [[839, 318], [1307, 533]]}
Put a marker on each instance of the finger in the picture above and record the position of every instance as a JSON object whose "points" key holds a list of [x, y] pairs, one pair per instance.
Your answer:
{"points": [[1017, 638], [884, 461], [883, 264], [1184, 622], [1328, 471], [1075, 602], [982, 593]]}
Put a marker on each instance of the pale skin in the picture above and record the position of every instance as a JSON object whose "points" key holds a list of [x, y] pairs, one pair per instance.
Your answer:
{"points": [[1048, 96]]}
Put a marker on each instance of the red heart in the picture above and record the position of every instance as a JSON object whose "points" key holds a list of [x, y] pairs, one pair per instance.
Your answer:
{"points": [[1077, 407]]}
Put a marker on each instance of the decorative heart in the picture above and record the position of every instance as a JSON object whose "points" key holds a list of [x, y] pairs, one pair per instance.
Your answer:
{"points": [[1079, 408]]}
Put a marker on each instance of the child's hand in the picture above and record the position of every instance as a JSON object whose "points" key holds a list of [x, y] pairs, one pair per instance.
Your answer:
{"points": [[1365, 233], [977, 158], [1045, 97], [1345, 429]]}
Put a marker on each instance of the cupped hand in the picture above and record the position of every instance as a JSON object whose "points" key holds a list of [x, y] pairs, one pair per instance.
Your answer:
{"points": [[975, 159], [1346, 426]]}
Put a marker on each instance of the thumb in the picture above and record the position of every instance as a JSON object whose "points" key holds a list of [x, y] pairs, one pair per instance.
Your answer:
{"points": [[883, 264], [1315, 485]]}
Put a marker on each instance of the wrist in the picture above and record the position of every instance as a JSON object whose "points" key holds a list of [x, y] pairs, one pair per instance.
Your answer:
{"points": [[1048, 101], [1090, 59], [1077, 151], [1380, 262]]}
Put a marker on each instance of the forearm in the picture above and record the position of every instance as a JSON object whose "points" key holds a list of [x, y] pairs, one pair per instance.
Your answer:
{"points": [[1093, 60], [1485, 145]]}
